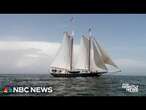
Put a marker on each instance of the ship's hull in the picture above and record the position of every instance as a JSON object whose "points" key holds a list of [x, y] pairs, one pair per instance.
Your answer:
{"points": [[77, 74]]}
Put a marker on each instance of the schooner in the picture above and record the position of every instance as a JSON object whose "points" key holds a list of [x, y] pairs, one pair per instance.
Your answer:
{"points": [[91, 60]]}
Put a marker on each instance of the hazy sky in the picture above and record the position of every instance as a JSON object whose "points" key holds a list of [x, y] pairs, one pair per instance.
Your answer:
{"points": [[29, 42]]}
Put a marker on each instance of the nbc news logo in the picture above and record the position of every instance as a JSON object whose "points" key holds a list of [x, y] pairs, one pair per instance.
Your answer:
{"points": [[9, 88]]}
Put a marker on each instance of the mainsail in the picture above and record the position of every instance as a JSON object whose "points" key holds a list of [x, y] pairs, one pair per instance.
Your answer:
{"points": [[83, 56], [106, 58], [89, 56], [96, 61], [64, 56]]}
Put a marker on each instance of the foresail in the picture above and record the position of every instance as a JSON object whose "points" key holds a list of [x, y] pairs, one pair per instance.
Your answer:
{"points": [[96, 61], [63, 57], [83, 55], [106, 58]]}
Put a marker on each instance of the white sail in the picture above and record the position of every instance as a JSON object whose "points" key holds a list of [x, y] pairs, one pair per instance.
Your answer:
{"points": [[63, 58], [83, 55], [106, 58], [96, 61]]}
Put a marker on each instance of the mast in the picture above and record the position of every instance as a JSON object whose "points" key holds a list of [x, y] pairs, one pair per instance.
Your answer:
{"points": [[89, 52], [89, 32], [71, 59], [72, 34]]}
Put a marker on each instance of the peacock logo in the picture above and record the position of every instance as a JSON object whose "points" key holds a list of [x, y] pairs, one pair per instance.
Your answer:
{"points": [[6, 87]]}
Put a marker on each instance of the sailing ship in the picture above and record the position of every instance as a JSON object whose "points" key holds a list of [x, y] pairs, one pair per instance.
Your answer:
{"points": [[91, 60]]}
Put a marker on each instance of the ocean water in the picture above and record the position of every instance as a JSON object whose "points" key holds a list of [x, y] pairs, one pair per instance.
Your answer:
{"points": [[105, 85]]}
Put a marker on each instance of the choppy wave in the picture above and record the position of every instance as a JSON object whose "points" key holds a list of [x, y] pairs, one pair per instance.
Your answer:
{"points": [[105, 85]]}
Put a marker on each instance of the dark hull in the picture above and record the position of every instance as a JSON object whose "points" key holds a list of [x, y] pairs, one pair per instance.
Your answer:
{"points": [[77, 74]]}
